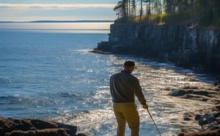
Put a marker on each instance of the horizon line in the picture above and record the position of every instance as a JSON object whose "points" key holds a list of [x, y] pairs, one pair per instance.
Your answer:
{"points": [[58, 21]]}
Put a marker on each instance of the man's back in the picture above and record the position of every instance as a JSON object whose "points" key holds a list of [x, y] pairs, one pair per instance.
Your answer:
{"points": [[121, 87], [124, 87]]}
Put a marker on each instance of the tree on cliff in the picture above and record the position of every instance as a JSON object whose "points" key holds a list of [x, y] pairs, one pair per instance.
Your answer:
{"points": [[126, 8], [141, 9], [148, 7], [133, 8], [121, 8], [203, 12], [157, 7]]}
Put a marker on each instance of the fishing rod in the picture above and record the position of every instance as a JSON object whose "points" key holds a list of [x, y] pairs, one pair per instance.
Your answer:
{"points": [[153, 121]]}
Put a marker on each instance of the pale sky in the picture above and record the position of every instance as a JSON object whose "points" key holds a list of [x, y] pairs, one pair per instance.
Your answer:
{"points": [[30, 10]]}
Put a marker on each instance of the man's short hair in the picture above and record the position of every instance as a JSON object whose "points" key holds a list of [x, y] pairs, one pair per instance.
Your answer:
{"points": [[129, 63]]}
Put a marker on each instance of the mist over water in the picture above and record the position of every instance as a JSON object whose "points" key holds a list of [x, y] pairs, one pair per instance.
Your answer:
{"points": [[65, 27], [49, 74]]}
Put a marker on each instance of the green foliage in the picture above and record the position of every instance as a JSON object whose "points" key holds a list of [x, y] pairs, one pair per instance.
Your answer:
{"points": [[207, 19], [155, 19], [199, 12], [162, 18], [121, 8], [202, 12], [177, 18]]}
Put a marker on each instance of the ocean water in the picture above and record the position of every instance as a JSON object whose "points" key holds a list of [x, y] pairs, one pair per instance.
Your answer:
{"points": [[47, 72]]}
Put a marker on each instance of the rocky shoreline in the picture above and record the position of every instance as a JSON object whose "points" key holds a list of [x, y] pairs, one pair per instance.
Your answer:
{"points": [[209, 118], [194, 48], [35, 127]]}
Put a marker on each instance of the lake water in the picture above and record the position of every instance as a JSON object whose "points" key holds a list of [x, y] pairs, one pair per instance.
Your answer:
{"points": [[46, 72]]}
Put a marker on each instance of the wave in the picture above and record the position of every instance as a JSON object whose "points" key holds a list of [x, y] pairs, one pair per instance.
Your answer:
{"points": [[93, 122]]}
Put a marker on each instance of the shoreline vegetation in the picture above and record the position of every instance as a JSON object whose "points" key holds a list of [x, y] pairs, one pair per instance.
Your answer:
{"points": [[200, 13]]}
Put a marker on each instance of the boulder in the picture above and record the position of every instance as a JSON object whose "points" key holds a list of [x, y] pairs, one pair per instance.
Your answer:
{"points": [[35, 127]]}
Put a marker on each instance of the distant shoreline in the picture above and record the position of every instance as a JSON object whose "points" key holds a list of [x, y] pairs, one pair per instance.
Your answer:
{"points": [[61, 21]]}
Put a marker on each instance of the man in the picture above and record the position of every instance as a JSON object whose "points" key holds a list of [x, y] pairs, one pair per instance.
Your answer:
{"points": [[124, 87]]}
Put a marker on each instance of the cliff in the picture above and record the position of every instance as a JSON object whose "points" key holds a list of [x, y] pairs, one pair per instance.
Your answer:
{"points": [[186, 46]]}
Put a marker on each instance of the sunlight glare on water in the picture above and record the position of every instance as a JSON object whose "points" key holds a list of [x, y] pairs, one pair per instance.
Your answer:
{"points": [[156, 79]]}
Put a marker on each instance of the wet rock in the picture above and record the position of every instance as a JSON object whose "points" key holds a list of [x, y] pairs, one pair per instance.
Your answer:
{"points": [[178, 93], [44, 132], [35, 127], [210, 121], [206, 119], [99, 52], [188, 116], [197, 117], [40, 124], [206, 133], [103, 46], [196, 97], [205, 93], [191, 87], [188, 92]]}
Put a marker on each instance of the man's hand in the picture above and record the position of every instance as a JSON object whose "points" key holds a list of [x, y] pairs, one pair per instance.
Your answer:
{"points": [[145, 106]]}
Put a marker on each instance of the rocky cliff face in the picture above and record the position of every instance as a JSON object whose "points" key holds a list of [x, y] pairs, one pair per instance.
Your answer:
{"points": [[197, 48]]}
